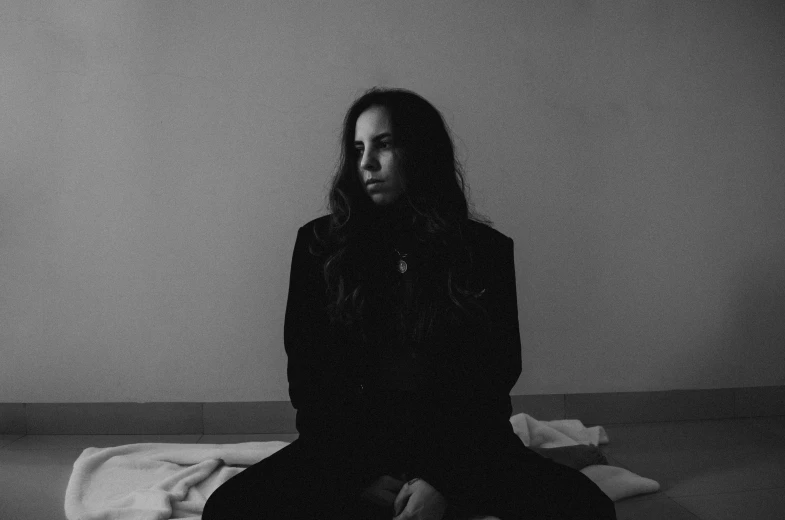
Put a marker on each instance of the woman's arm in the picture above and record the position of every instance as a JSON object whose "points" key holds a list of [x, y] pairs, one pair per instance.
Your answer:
{"points": [[487, 366], [306, 332]]}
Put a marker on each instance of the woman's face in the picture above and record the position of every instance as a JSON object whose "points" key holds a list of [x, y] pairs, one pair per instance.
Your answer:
{"points": [[377, 162]]}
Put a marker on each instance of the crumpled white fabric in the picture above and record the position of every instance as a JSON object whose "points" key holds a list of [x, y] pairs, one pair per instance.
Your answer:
{"points": [[553, 434], [155, 481], [159, 481]]}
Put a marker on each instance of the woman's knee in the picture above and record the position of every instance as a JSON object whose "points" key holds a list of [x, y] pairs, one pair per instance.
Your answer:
{"points": [[218, 507], [590, 502], [565, 493], [247, 492]]}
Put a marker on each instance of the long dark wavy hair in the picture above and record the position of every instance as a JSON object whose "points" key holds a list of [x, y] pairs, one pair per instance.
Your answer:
{"points": [[435, 192]]}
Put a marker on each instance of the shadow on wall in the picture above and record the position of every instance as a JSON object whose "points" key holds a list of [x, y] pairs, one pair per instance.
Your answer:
{"points": [[749, 347]]}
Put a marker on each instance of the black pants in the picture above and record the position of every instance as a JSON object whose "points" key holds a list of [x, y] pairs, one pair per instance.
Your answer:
{"points": [[301, 482]]}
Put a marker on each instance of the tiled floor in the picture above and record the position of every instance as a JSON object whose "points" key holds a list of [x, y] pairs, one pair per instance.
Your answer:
{"points": [[719, 470]]}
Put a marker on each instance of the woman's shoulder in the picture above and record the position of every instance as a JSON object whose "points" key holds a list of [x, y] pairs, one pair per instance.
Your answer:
{"points": [[319, 223], [485, 235], [311, 235]]}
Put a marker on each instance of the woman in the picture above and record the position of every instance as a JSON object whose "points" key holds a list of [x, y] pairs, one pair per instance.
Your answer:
{"points": [[402, 338]]}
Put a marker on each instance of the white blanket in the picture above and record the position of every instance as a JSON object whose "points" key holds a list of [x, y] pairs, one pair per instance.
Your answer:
{"points": [[158, 481]]}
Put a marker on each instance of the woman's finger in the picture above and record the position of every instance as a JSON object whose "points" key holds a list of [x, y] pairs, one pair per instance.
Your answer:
{"points": [[402, 499]]}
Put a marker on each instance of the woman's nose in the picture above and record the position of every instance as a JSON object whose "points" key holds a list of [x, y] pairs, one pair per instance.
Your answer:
{"points": [[369, 162]]}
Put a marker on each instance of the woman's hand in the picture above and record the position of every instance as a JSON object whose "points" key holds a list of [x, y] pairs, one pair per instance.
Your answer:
{"points": [[418, 500]]}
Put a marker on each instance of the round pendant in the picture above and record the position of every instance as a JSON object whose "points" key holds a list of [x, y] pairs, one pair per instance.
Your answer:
{"points": [[402, 267]]}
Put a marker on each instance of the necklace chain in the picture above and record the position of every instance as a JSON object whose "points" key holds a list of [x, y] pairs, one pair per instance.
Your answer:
{"points": [[402, 265], [402, 255]]}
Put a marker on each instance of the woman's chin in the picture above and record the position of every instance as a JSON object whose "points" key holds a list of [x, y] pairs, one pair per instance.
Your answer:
{"points": [[383, 199]]}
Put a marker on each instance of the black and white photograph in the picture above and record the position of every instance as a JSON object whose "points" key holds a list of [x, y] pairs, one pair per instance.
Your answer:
{"points": [[392, 260]]}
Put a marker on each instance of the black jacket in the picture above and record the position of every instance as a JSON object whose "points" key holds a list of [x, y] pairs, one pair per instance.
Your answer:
{"points": [[465, 402]]}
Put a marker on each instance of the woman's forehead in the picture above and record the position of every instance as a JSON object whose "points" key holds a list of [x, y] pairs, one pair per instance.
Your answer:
{"points": [[373, 121]]}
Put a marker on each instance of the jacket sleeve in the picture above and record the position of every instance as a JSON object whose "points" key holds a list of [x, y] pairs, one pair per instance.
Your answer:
{"points": [[478, 368], [496, 366], [477, 381], [305, 333]]}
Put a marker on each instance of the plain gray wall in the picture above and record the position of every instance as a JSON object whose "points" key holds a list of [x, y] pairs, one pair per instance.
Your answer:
{"points": [[157, 159]]}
